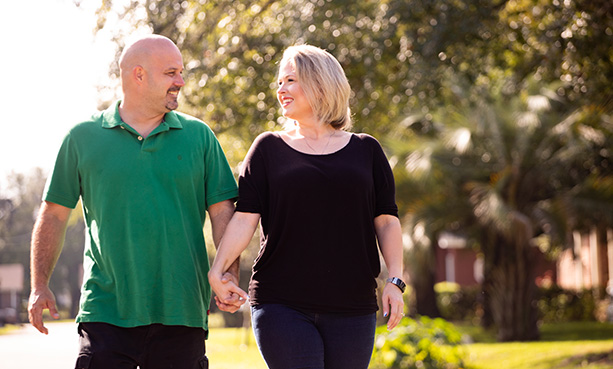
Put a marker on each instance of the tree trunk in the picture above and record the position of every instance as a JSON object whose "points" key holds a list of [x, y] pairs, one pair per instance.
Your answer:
{"points": [[488, 250], [425, 297], [513, 292], [422, 271]]}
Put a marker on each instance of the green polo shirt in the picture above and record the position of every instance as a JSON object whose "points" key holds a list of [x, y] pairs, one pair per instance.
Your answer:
{"points": [[144, 202]]}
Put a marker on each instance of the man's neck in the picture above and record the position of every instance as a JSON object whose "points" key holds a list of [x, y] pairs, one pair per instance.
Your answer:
{"points": [[142, 122]]}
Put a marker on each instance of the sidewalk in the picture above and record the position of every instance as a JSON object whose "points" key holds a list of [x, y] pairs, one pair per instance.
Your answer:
{"points": [[27, 348]]}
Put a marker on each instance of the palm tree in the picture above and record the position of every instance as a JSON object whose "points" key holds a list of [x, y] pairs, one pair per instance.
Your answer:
{"points": [[502, 171]]}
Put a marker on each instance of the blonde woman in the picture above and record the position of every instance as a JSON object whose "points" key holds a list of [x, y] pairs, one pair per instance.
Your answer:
{"points": [[323, 198]]}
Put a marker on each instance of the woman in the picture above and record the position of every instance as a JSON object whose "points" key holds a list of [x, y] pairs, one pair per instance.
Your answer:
{"points": [[323, 197]]}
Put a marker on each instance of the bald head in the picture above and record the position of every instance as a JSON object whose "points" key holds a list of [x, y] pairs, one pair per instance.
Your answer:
{"points": [[143, 50], [150, 70]]}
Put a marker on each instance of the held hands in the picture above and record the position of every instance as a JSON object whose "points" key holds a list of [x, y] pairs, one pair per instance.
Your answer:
{"points": [[393, 305], [41, 299], [229, 297]]}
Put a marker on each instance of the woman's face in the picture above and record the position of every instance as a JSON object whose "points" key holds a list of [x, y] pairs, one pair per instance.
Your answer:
{"points": [[291, 96]]}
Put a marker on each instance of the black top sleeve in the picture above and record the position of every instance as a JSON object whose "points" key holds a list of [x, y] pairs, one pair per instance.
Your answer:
{"points": [[253, 187]]}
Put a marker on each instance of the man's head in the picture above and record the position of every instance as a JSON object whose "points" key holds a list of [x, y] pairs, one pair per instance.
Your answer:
{"points": [[151, 70]]}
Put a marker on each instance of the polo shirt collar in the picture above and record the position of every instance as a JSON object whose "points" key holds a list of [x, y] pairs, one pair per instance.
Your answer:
{"points": [[112, 119]]}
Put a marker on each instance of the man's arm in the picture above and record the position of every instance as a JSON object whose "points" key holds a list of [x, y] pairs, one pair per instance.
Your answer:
{"points": [[220, 214], [47, 243]]}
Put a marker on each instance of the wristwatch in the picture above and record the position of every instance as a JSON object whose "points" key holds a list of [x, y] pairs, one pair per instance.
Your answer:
{"points": [[398, 282]]}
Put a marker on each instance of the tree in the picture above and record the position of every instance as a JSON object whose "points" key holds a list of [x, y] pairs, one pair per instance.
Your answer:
{"points": [[19, 204], [20, 201], [419, 67], [391, 52], [519, 162]]}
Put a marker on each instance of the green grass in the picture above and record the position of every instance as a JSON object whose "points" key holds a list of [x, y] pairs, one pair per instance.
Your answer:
{"points": [[562, 346], [233, 348], [7, 328]]}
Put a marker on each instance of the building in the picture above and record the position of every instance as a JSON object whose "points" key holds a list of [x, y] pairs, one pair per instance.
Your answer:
{"points": [[11, 290], [586, 265]]}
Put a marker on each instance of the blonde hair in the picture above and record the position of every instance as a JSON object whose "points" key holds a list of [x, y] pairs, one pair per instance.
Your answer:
{"points": [[324, 83]]}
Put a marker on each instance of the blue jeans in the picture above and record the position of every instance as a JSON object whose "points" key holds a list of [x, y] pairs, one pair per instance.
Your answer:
{"points": [[292, 339]]}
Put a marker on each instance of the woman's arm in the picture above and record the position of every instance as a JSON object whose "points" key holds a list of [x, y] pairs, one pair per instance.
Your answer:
{"points": [[389, 235], [235, 240]]}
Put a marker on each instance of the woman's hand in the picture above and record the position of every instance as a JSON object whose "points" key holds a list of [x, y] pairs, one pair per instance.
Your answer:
{"points": [[229, 297], [393, 305]]}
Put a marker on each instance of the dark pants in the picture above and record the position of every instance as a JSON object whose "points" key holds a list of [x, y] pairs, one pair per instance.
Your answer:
{"points": [[156, 346], [289, 339]]}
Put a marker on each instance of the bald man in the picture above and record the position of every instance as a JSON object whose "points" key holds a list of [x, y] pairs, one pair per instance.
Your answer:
{"points": [[146, 176]]}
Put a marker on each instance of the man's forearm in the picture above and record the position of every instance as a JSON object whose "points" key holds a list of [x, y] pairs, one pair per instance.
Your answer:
{"points": [[47, 242], [220, 215]]}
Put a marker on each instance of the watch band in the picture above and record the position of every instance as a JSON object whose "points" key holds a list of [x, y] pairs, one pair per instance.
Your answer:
{"points": [[398, 282]]}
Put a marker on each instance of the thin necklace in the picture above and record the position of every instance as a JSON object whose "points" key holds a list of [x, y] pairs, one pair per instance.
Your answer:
{"points": [[306, 140]]}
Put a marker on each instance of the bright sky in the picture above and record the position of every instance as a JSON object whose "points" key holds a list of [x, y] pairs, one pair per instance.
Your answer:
{"points": [[51, 63]]}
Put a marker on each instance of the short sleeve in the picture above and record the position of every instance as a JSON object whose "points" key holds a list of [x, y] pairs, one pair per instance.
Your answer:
{"points": [[385, 188], [220, 184], [252, 181], [63, 185]]}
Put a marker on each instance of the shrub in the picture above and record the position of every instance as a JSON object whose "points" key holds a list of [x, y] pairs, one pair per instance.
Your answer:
{"points": [[557, 305], [418, 344], [457, 303]]}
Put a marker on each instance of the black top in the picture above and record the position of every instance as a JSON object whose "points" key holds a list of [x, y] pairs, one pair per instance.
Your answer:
{"points": [[318, 244]]}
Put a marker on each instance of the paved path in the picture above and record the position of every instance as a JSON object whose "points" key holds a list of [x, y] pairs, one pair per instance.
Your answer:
{"points": [[27, 348]]}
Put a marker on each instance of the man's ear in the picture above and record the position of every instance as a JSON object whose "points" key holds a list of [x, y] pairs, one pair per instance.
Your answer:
{"points": [[138, 73]]}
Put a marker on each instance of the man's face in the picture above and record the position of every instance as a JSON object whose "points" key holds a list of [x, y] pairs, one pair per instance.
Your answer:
{"points": [[164, 78]]}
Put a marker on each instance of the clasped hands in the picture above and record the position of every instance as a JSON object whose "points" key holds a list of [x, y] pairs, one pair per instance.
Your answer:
{"points": [[228, 296]]}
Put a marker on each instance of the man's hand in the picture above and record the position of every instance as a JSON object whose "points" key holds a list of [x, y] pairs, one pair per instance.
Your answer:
{"points": [[229, 297], [41, 299], [47, 242]]}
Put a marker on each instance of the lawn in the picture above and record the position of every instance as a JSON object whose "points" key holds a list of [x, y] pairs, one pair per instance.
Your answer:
{"points": [[233, 348], [562, 346], [8, 328]]}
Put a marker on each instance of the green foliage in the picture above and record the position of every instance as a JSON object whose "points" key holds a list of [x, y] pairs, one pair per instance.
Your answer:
{"points": [[457, 303], [505, 170], [496, 115], [577, 331], [422, 343], [558, 305], [555, 304], [19, 204]]}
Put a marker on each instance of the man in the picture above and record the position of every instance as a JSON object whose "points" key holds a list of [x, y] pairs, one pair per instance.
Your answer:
{"points": [[146, 176]]}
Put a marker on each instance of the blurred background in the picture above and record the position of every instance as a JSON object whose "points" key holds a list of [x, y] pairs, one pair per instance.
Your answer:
{"points": [[496, 117]]}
